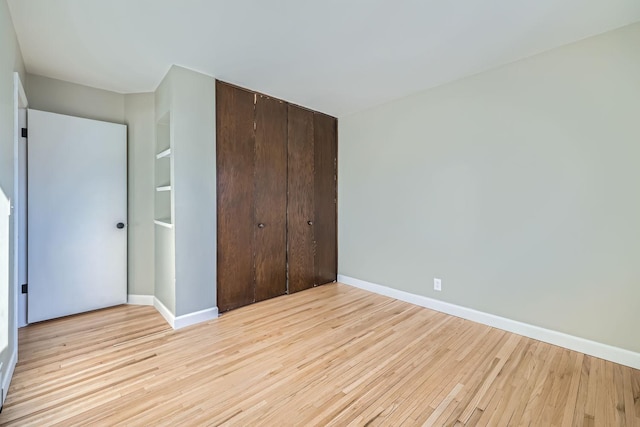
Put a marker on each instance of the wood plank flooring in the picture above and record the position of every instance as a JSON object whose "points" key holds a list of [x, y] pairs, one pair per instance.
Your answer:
{"points": [[332, 355]]}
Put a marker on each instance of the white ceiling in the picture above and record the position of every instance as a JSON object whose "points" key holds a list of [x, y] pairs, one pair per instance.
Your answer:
{"points": [[337, 56]]}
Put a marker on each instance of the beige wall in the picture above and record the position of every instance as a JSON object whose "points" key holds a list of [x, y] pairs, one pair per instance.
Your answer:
{"points": [[518, 187], [137, 112], [140, 119], [10, 61], [57, 96]]}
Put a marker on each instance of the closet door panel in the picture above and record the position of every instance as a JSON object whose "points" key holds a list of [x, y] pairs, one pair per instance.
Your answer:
{"points": [[325, 226], [270, 229], [300, 210], [235, 161]]}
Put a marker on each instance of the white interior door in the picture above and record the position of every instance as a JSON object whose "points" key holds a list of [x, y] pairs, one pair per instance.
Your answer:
{"points": [[77, 200]]}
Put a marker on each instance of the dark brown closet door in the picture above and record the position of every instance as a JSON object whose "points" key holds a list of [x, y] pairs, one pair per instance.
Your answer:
{"points": [[300, 209], [270, 230], [235, 164], [325, 180]]}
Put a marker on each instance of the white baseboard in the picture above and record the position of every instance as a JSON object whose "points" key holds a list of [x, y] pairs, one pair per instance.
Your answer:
{"points": [[140, 299], [164, 311], [592, 348], [185, 319], [195, 317], [6, 381]]}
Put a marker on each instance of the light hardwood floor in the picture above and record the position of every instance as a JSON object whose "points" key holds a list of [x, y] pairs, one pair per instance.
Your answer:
{"points": [[333, 355]]}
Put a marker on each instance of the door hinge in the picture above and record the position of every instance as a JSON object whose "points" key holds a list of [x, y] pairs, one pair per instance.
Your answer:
{"points": [[24, 132], [25, 288]]}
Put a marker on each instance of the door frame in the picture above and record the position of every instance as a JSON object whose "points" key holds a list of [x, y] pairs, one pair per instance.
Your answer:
{"points": [[19, 171], [19, 102]]}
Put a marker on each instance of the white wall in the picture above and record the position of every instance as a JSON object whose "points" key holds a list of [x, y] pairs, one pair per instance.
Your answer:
{"points": [[10, 61], [190, 98], [194, 126], [518, 187]]}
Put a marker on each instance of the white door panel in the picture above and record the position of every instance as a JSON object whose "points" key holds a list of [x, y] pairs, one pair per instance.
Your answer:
{"points": [[76, 197]]}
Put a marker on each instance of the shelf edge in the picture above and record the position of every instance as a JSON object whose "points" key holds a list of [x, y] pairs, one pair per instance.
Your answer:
{"points": [[163, 223], [165, 153]]}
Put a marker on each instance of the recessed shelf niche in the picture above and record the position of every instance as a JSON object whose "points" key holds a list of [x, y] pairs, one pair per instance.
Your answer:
{"points": [[163, 173]]}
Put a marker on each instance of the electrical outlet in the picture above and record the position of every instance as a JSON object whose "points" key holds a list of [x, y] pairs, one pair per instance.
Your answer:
{"points": [[437, 284]]}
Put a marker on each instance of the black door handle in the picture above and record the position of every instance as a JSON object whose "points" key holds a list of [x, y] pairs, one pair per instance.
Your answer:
{"points": [[261, 225], [310, 222], [120, 225]]}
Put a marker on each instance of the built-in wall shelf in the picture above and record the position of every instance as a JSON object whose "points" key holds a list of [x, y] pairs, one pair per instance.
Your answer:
{"points": [[163, 173], [165, 153], [163, 222]]}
